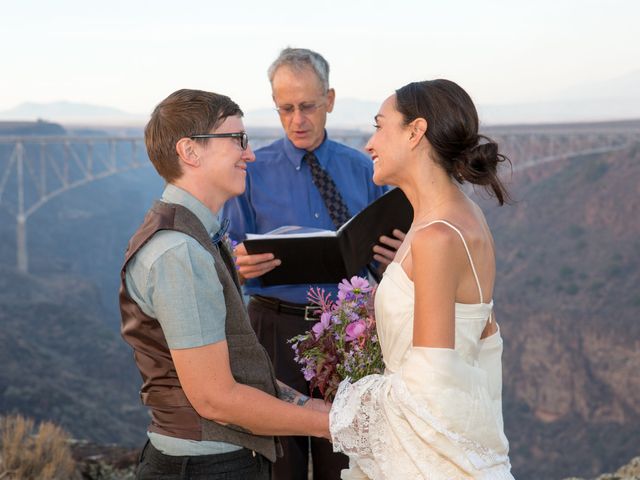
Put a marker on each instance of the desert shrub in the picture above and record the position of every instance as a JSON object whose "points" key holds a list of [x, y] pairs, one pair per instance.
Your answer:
{"points": [[27, 452]]}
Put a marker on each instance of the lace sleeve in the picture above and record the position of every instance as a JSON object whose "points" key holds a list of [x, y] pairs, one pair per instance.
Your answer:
{"points": [[417, 421]]}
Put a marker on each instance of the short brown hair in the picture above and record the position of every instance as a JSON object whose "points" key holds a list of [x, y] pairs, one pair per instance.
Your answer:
{"points": [[183, 113]]}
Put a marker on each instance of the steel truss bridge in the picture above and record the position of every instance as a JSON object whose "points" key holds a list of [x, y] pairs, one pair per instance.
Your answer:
{"points": [[33, 170]]}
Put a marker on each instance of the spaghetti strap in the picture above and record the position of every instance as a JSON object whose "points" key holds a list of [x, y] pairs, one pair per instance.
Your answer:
{"points": [[473, 267]]}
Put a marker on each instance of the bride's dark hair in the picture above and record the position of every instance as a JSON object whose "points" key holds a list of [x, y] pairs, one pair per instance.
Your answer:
{"points": [[452, 131]]}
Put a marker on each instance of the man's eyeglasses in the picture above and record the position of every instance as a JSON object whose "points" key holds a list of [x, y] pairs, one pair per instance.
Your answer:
{"points": [[244, 138], [303, 108]]}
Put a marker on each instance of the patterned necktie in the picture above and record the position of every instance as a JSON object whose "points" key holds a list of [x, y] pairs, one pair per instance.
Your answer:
{"points": [[338, 210]]}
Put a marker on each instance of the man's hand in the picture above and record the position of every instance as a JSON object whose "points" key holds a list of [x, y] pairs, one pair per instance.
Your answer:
{"points": [[385, 252], [253, 266]]}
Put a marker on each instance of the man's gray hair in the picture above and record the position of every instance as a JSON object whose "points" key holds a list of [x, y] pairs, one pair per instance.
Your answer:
{"points": [[299, 59]]}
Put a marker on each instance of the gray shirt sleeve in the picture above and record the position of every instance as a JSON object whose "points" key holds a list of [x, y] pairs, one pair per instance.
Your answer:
{"points": [[173, 279]]}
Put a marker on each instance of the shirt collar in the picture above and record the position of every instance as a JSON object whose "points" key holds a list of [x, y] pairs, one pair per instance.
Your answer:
{"points": [[295, 154], [178, 196]]}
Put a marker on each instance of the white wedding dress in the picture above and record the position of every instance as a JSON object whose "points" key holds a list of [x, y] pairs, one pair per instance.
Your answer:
{"points": [[436, 413]]}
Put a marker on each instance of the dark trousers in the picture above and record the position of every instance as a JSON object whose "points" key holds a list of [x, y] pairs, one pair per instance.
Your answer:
{"points": [[273, 330], [239, 465]]}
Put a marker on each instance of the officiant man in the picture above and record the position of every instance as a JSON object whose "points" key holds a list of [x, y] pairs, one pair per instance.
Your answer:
{"points": [[305, 179]]}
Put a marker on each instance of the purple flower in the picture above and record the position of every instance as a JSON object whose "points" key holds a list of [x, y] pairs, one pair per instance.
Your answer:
{"points": [[309, 372], [355, 285], [322, 325], [355, 330], [342, 295]]}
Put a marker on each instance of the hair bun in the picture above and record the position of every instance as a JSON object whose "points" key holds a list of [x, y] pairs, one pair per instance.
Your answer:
{"points": [[478, 164]]}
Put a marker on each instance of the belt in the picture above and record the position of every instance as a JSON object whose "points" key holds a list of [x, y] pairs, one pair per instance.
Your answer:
{"points": [[309, 312]]}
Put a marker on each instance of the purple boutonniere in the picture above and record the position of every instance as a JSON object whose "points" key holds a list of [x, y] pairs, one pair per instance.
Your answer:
{"points": [[229, 244]]}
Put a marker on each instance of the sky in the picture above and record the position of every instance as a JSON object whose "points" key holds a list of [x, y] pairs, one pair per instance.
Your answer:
{"points": [[131, 54]]}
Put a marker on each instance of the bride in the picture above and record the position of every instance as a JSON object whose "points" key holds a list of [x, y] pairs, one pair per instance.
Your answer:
{"points": [[436, 413]]}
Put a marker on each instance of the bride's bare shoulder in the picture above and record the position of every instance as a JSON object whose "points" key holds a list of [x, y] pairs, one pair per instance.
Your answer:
{"points": [[433, 240]]}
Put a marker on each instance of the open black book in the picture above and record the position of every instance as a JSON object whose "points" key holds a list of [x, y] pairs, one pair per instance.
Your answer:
{"points": [[312, 255]]}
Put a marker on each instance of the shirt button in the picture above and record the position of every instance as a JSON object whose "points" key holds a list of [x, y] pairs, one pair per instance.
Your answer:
{"points": [[298, 167], [317, 215]]}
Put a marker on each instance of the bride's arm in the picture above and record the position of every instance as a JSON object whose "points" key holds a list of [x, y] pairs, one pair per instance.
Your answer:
{"points": [[436, 265]]}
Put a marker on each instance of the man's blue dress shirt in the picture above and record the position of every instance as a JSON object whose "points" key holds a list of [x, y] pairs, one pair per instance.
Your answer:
{"points": [[280, 192]]}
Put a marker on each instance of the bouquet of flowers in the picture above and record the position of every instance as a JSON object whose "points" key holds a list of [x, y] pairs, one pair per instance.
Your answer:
{"points": [[343, 343]]}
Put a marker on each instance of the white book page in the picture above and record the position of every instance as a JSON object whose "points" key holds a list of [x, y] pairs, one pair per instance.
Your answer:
{"points": [[292, 231]]}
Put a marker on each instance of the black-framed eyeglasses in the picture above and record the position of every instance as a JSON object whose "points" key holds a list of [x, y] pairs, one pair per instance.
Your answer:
{"points": [[244, 138]]}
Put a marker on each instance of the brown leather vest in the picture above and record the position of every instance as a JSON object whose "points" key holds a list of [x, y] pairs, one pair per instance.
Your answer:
{"points": [[171, 412]]}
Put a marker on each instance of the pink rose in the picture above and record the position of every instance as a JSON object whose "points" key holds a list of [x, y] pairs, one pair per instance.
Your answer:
{"points": [[355, 330]]}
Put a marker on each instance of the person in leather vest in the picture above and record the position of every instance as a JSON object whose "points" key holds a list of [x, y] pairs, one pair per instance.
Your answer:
{"points": [[216, 407]]}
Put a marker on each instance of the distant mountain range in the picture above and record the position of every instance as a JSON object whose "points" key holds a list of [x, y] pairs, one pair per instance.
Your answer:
{"points": [[614, 99], [72, 113]]}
